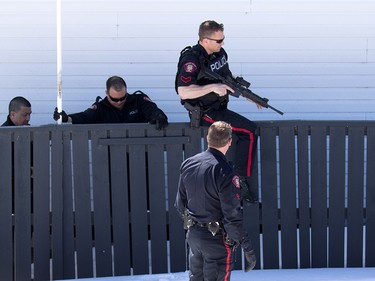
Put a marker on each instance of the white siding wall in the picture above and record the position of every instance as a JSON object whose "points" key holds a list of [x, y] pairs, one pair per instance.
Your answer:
{"points": [[314, 60]]}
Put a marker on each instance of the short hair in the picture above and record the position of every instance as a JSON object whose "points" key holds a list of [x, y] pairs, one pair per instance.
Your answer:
{"points": [[219, 133], [115, 82], [16, 103], [208, 27]]}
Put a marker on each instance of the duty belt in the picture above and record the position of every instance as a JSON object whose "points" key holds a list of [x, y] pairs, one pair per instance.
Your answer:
{"points": [[213, 227]]}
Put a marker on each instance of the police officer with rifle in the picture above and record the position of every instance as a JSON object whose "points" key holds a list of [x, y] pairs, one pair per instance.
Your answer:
{"points": [[202, 85]]}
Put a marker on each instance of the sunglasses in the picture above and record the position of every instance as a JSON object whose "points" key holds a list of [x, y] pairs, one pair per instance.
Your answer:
{"points": [[117, 99], [218, 41]]}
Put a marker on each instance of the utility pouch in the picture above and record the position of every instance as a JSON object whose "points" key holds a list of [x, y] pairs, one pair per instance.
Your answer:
{"points": [[213, 227]]}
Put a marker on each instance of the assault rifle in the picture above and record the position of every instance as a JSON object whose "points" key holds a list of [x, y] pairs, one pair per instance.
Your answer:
{"points": [[240, 87]]}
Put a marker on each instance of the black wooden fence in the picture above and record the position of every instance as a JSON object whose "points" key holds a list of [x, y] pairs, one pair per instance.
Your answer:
{"points": [[97, 200]]}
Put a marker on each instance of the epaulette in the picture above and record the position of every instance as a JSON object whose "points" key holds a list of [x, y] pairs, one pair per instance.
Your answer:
{"points": [[98, 99], [94, 106]]}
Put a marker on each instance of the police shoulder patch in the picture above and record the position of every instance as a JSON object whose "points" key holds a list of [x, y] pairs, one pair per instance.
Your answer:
{"points": [[190, 67], [236, 181]]}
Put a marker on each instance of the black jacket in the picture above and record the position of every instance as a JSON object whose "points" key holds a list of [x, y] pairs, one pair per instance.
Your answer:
{"points": [[138, 108], [210, 191], [188, 73], [8, 122]]}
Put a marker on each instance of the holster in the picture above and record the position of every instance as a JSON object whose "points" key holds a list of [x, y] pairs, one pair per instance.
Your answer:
{"points": [[188, 220], [230, 242], [195, 114]]}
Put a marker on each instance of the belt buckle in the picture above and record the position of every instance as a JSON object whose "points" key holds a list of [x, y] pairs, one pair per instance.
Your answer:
{"points": [[213, 227]]}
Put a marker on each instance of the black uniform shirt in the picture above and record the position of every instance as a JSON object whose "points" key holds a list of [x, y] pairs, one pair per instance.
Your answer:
{"points": [[8, 122], [138, 108], [210, 191], [188, 73]]}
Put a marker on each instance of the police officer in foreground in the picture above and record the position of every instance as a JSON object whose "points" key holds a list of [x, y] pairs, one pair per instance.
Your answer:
{"points": [[211, 97], [118, 107], [209, 200]]}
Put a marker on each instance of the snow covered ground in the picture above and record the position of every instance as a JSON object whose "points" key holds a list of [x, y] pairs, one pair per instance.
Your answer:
{"points": [[321, 274]]}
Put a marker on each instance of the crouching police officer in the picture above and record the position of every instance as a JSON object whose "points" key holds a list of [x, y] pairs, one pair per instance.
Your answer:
{"points": [[209, 200], [118, 107], [207, 99]]}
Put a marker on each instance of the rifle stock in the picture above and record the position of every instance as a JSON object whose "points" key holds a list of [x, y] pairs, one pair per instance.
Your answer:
{"points": [[241, 88]]}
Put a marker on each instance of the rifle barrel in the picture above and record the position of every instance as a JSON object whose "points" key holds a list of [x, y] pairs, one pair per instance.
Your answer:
{"points": [[274, 109], [240, 88]]}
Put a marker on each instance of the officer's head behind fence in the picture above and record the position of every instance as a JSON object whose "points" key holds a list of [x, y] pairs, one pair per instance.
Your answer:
{"points": [[118, 107], [19, 112]]}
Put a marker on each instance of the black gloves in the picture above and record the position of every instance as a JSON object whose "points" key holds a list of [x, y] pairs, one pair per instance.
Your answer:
{"points": [[64, 116], [250, 260], [160, 121]]}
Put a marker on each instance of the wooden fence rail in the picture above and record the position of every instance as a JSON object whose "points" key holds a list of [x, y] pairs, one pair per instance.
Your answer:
{"points": [[81, 201]]}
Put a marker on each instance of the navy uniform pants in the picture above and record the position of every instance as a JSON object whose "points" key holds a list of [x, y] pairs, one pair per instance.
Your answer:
{"points": [[210, 258], [244, 129]]}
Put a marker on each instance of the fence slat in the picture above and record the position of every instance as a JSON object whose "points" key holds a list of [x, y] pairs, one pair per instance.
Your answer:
{"points": [[336, 215], [370, 199], [288, 192], [319, 196], [138, 205], [158, 203], [41, 197], [355, 196], [304, 220], [120, 206], [65, 206], [57, 243], [270, 221], [82, 204], [6, 198], [22, 205], [101, 193], [176, 232]]}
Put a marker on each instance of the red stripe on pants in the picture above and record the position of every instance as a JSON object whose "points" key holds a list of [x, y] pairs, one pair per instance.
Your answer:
{"points": [[251, 142], [228, 261]]}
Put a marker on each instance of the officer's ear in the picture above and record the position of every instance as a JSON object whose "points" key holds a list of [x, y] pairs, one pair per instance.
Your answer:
{"points": [[230, 141], [12, 115]]}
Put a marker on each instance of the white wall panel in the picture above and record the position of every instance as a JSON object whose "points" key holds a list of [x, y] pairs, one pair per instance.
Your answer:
{"points": [[313, 59]]}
